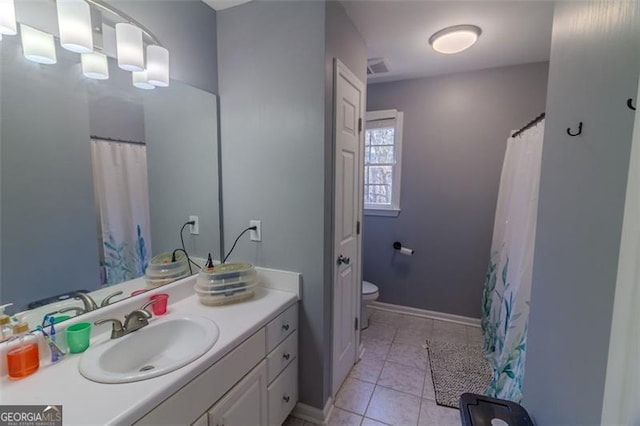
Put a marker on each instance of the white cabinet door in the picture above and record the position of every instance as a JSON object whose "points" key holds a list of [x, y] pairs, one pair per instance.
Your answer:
{"points": [[246, 403]]}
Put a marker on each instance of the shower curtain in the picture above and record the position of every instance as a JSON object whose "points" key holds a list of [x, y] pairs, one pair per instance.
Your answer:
{"points": [[505, 302], [122, 201]]}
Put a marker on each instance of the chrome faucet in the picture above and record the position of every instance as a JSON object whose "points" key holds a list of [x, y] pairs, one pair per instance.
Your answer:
{"points": [[107, 299], [133, 321], [89, 303], [76, 309]]}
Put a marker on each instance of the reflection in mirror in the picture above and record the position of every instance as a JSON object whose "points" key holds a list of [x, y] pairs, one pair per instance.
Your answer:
{"points": [[96, 178]]}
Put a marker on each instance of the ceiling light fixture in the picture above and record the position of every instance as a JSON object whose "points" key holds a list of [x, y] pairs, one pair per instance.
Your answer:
{"points": [[74, 24], [158, 65], [37, 45], [455, 39], [129, 47], [95, 65], [8, 17]]}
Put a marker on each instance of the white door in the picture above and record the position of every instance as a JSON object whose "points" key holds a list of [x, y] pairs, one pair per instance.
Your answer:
{"points": [[246, 403], [348, 106]]}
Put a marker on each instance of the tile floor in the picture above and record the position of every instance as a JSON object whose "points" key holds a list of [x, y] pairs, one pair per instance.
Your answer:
{"points": [[391, 385]]}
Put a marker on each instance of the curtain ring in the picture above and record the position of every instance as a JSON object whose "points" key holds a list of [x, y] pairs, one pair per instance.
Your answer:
{"points": [[577, 133], [630, 104]]}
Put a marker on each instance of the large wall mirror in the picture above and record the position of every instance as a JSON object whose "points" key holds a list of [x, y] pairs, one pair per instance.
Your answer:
{"points": [[97, 177]]}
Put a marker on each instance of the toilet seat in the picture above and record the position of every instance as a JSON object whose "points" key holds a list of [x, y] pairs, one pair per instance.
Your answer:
{"points": [[369, 291]]}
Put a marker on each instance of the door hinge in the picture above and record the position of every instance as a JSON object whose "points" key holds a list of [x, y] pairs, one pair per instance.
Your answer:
{"points": [[358, 228], [356, 323], [359, 124]]}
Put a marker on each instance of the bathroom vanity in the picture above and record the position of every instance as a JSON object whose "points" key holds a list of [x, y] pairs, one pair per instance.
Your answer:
{"points": [[249, 376]]}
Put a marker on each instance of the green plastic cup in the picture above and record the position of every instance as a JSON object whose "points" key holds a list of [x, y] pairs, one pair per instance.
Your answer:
{"points": [[78, 337], [60, 318]]}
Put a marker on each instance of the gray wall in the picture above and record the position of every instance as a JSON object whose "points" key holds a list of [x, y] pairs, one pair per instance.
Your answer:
{"points": [[276, 91], [344, 42], [455, 133], [180, 125], [271, 79], [595, 61]]}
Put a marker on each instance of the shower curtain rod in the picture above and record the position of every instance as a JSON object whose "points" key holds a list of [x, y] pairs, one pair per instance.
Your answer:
{"points": [[529, 125], [118, 140]]}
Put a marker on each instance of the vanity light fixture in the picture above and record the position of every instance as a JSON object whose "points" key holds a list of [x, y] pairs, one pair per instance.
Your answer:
{"points": [[141, 81], [95, 65], [455, 39], [158, 66], [129, 47], [8, 17], [37, 45], [74, 24]]}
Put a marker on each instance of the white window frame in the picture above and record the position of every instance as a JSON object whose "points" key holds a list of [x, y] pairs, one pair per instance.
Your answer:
{"points": [[392, 209]]}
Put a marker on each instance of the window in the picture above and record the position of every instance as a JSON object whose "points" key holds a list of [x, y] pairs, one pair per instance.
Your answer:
{"points": [[382, 162]]}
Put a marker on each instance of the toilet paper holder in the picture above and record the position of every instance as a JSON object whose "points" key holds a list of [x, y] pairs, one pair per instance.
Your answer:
{"points": [[397, 245]]}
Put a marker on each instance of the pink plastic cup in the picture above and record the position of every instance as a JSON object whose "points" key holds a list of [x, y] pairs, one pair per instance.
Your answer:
{"points": [[160, 307], [137, 292]]}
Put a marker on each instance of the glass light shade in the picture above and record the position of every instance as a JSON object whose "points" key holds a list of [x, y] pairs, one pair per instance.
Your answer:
{"points": [[141, 81], [95, 65], [8, 17], [129, 47], [455, 39], [158, 66], [37, 45], [74, 23]]}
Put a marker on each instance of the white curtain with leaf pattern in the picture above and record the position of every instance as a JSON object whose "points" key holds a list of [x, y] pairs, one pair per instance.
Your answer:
{"points": [[505, 304], [122, 199]]}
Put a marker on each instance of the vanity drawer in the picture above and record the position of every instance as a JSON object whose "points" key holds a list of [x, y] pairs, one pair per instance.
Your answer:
{"points": [[281, 327], [282, 394], [282, 356]]}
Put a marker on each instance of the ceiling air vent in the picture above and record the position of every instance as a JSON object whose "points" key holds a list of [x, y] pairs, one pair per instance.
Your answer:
{"points": [[377, 66]]}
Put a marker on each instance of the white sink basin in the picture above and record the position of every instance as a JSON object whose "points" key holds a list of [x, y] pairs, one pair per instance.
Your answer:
{"points": [[159, 348]]}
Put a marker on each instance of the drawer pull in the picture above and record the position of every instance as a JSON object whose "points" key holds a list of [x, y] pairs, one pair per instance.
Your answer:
{"points": [[285, 327], [286, 356], [286, 398]]}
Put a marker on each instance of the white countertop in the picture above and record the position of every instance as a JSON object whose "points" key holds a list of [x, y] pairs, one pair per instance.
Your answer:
{"points": [[85, 402]]}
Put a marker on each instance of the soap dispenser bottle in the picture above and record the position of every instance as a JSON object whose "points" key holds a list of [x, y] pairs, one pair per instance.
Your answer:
{"points": [[23, 358]]}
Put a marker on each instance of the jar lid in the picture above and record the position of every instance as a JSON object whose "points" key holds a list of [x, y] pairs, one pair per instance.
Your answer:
{"points": [[5, 319], [21, 327]]}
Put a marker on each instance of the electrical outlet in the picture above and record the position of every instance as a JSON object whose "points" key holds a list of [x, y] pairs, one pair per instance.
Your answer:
{"points": [[257, 234], [195, 228]]}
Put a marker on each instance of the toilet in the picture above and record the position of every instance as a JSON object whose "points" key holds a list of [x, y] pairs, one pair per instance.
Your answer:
{"points": [[369, 294]]}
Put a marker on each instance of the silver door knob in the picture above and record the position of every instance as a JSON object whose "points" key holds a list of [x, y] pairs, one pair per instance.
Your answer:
{"points": [[342, 259]]}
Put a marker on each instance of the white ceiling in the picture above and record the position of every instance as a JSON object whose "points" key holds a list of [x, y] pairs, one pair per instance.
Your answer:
{"points": [[513, 32]]}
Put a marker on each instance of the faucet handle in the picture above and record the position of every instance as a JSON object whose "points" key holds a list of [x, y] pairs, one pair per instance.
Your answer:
{"points": [[146, 305], [117, 329], [107, 299]]}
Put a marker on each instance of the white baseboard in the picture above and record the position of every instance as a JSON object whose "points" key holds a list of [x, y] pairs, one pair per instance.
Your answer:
{"points": [[474, 322], [312, 414]]}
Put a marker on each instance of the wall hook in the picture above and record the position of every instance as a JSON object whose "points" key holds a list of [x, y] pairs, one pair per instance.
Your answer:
{"points": [[577, 133], [630, 104]]}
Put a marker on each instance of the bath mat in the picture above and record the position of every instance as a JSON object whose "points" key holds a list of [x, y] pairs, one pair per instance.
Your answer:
{"points": [[457, 368]]}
